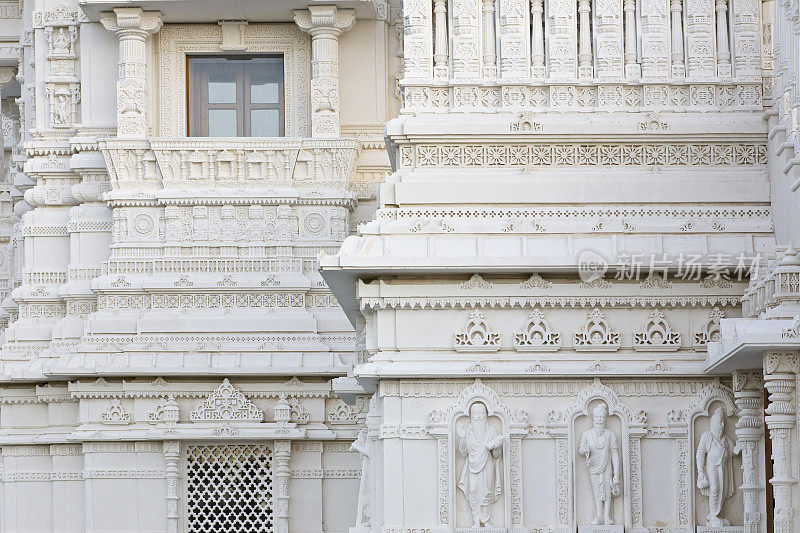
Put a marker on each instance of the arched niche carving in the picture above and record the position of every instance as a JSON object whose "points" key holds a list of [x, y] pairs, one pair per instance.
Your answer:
{"points": [[514, 426], [632, 429], [700, 410]]}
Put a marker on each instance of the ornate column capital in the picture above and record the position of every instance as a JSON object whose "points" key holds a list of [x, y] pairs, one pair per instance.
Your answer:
{"points": [[324, 19], [132, 20], [781, 363]]}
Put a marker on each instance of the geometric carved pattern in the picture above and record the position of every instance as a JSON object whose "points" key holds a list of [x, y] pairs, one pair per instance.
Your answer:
{"points": [[586, 155], [229, 488], [476, 336], [536, 334], [226, 403], [656, 335]]}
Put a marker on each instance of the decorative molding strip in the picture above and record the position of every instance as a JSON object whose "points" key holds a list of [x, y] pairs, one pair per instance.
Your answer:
{"points": [[547, 301], [583, 155]]}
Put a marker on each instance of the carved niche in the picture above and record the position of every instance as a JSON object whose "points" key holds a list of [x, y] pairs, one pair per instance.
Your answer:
{"points": [[565, 427], [511, 425], [698, 418]]}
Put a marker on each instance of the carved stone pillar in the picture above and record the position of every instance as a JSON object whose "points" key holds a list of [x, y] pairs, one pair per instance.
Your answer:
{"points": [[324, 24], [584, 40], [723, 48], [780, 373], [632, 70], [537, 39], [132, 26], [678, 66], [748, 390], [282, 453], [489, 51], [172, 451], [440, 38]]}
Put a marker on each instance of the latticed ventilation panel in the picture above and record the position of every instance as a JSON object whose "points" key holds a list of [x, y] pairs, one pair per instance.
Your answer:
{"points": [[229, 488]]}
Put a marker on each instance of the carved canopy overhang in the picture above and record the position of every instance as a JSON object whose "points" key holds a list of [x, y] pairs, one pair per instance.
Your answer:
{"points": [[191, 11]]}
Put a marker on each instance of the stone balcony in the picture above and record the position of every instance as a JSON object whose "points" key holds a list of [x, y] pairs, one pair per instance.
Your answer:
{"points": [[317, 165]]}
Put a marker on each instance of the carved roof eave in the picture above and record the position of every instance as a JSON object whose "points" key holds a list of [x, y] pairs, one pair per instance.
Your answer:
{"points": [[745, 341], [254, 196], [563, 366], [308, 387], [569, 127], [192, 373], [194, 431]]}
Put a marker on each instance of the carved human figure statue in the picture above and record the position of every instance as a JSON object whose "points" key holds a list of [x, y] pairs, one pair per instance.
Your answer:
{"points": [[601, 449], [480, 477], [361, 445], [715, 468]]}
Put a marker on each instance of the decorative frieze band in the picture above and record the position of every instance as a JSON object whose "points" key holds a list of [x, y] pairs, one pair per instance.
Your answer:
{"points": [[526, 155], [424, 98]]}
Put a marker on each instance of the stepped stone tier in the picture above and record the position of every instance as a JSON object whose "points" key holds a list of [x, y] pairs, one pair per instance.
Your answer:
{"points": [[384, 266]]}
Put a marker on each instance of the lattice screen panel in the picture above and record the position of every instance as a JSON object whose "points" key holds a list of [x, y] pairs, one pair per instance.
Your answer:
{"points": [[229, 488]]}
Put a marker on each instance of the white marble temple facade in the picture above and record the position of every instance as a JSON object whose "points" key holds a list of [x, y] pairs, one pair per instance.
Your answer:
{"points": [[515, 265]]}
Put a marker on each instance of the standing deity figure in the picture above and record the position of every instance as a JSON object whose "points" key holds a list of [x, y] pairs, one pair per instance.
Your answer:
{"points": [[601, 449], [480, 477], [715, 468], [361, 445]]}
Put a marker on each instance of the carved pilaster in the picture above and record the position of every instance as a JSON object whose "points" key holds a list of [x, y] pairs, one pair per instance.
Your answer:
{"points": [[172, 473], [748, 393], [282, 454], [780, 373], [132, 26], [537, 39], [325, 24], [676, 10]]}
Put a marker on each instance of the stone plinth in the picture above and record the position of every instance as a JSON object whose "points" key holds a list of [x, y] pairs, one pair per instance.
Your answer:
{"points": [[602, 529], [720, 529]]}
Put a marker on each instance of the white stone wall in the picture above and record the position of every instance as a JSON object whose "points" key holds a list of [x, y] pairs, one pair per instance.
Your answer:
{"points": [[166, 301]]}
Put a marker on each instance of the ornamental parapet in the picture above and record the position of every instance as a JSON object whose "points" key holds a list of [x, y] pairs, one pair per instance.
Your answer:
{"points": [[775, 292], [175, 163]]}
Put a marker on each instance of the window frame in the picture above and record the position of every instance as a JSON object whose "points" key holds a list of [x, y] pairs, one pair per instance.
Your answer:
{"points": [[175, 41], [197, 86]]}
